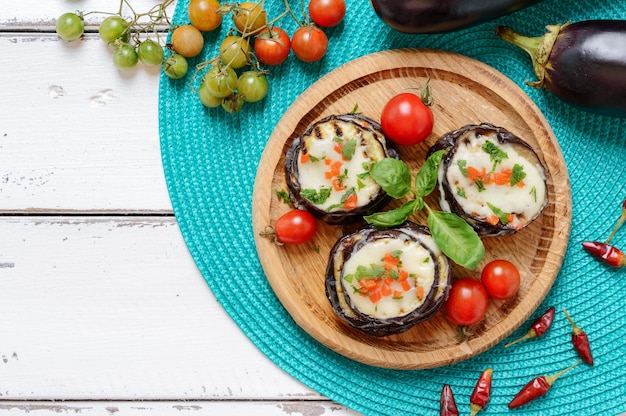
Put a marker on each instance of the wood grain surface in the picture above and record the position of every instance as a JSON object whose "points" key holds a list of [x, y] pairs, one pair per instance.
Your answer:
{"points": [[465, 92]]}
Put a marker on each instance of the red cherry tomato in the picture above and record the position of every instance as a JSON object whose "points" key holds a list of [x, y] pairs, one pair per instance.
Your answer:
{"points": [[406, 120], [272, 46], [327, 13], [295, 227], [309, 43], [501, 279], [467, 302]]}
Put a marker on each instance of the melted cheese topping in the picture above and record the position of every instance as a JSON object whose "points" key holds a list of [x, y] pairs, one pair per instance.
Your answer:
{"points": [[482, 187], [339, 165], [402, 298]]}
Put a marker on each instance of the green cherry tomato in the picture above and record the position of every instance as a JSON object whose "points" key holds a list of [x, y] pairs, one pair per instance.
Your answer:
{"points": [[235, 51], [112, 28], [125, 56], [208, 99], [233, 103], [253, 86], [175, 66], [150, 53], [70, 26], [221, 82]]}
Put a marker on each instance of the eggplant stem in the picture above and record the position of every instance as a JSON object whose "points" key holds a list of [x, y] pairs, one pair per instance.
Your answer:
{"points": [[538, 47]]}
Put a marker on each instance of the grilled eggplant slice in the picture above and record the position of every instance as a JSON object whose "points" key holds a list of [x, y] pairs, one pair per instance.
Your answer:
{"points": [[384, 281], [327, 168], [491, 178]]}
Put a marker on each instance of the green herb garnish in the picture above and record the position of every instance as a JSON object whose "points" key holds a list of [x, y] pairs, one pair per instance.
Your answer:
{"points": [[283, 196], [503, 216], [314, 196], [517, 175], [348, 149], [462, 164], [496, 154]]}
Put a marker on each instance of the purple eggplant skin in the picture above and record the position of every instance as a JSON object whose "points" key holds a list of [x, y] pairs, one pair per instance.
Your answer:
{"points": [[582, 63], [441, 16]]}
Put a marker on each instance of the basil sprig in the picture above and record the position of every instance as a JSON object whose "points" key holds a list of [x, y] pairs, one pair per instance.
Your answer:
{"points": [[455, 237], [393, 175]]}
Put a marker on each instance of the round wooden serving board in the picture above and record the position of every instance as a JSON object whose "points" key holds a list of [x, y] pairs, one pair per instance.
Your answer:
{"points": [[466, 92]]}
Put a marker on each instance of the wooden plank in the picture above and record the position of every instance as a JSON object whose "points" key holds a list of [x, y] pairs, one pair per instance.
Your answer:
{"points": [[36, 16], [178, 408], [79, 134], [115, 309]]}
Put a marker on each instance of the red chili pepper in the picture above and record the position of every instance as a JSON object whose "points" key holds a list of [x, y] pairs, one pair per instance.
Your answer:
{"points": [[482, 392], [538, 328], [536, 388], [621, 220], [610, 255], [580, 341], [447, 405]]}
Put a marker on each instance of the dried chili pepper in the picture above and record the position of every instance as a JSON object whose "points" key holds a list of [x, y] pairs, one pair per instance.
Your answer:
{"points": [[580, 341], [447, 405], [482, 392], [537, 387], [609, 254], [621, 220], [538, 328]]}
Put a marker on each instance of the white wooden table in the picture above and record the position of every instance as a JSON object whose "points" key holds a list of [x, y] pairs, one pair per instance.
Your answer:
{"points": [[102, 309]]}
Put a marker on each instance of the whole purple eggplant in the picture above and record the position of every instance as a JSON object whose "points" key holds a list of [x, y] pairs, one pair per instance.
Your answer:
{"points": [[582, 63], [439, 16]]}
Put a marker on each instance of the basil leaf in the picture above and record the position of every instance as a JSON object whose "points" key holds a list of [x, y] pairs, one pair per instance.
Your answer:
{"points": [[426, 177], [392, 217], [393, 175], [456, 238], [316, 197]]}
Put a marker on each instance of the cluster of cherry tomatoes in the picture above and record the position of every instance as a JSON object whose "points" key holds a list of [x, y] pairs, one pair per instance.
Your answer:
{"points": [[134, 40], [469, 297], [237, 74]]}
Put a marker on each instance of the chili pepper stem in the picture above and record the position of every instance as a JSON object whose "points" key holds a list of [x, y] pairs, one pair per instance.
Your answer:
{"points": [[551, 379], [474, 409], [530, 334], [621, 221], [575, 329]]}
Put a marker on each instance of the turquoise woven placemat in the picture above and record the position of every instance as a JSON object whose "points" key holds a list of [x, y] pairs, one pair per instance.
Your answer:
{"points": [[210, 161]]}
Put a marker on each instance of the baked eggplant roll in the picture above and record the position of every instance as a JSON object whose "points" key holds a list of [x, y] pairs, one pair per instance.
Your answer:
{"points": [[384, 281], [491, 178], [327, 168]]}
